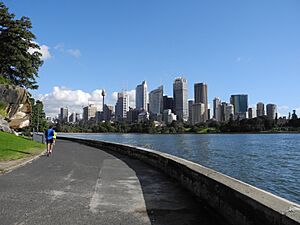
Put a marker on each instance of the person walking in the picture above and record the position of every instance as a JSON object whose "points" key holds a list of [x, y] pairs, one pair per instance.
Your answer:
{"points": [[49, 140], [54, 137]]}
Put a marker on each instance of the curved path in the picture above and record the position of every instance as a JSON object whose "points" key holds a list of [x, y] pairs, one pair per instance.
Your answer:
{"points": [[78, 184]]}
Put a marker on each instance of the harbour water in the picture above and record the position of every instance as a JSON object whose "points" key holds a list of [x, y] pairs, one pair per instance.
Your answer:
{"points": [[268, 161]]}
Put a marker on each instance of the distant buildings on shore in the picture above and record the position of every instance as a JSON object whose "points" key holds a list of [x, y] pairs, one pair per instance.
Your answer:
{"points": [[156, 106]]}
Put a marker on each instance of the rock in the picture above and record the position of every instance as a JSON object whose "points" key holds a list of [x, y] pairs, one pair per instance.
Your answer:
{"points": [[18, 105], [4, 126]]}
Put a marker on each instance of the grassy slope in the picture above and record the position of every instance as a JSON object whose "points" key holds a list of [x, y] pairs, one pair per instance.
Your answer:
{"points": [[14, 147]]}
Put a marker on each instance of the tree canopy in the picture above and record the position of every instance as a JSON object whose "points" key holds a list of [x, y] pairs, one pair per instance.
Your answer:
{"points": [[19, 56]]}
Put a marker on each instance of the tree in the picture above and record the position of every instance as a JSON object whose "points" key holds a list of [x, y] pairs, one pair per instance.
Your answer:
{"points": [[17, 63]]}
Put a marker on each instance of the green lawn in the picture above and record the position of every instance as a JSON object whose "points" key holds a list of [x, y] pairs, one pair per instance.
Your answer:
{"points": [[14, 147]]}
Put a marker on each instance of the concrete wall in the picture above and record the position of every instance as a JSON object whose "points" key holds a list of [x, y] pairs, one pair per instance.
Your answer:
{"points": [[238, 202]]}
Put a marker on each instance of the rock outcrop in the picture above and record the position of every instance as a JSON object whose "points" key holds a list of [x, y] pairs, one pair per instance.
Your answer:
{"points": [[4, 126], [17, 106]]}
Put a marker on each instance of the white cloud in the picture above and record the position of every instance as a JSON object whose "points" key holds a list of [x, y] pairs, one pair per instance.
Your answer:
{"points": [[44, 50], [74, 52]]}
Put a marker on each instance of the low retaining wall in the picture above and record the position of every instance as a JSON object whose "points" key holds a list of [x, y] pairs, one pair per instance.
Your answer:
{"points": [[238, 202]]}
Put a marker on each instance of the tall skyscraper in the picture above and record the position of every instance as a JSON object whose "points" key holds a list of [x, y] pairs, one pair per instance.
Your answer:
{"points": [[72, 118], [122, 106], [156, 101], [260, 109], [217, 107], [200, 95], [107, 112], [168, 103], [229, 112], [250, 113], [198, 113], [64, 115], [180, 94], [190, 104], [240, 104], [271, 111], [89, 112], [141, 96]]}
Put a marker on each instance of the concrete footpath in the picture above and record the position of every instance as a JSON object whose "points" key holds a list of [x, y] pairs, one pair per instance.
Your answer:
{"points": [[78, 184]]}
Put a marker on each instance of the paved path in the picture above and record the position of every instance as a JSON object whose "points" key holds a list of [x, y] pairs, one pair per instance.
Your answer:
{"points": [[83, 185]]}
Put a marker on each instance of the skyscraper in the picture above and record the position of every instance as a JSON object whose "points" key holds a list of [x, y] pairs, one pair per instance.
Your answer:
{"points": [[89, 112], [156, 101], [250, 113], [198, 111], [240, 104], [200, 95], [190, 104], [122, 106], [217, 107], [141, 96], [63, 116], [180, 94], [229, 112], [271, 111], [168, 103], [260, 109]]}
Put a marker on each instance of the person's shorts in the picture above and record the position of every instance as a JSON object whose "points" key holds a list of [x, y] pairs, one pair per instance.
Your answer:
{"points": [[49, 141]]}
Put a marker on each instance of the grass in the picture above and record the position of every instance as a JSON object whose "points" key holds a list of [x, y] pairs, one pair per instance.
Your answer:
{"points": [[13, 147]]}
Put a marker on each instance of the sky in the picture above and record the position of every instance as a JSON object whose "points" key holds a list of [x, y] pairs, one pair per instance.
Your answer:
{"points": [[236, 47]]}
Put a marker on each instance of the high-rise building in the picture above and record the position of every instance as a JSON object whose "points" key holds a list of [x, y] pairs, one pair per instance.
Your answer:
{"points": [[260, 109], [141, 96], [271, 111], [122, 106], [156, 101], [198, 113], [217, 107], [107, 112], [180, 94], [200, 96], [229, 111], [64, 115], [168, 116], [250, 113], [223, 110], [72, 118], [168, 103], [240, 105], [190, 104], [77, 116], [89, 112]]}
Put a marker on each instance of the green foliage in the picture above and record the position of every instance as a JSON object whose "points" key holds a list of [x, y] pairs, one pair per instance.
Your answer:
{"points": [[17, 62], [14, 147], [3, 109], [3, 80]]}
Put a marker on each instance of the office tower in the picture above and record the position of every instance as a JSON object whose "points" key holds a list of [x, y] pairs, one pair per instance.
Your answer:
{"points": [[107, 112], [77, 116], [168, 103], [223, 111], [141, 96], [89, 112], [72, 118], [63, 116], [240, 105], [99, 116], [180, 94], [190, 104], [122, 106], [168, 116], [250, 113], [271, 111], [198, 113], [208, 114], [200, 95], [229, 111], [260, 109], [156, 101], [217, 107]]}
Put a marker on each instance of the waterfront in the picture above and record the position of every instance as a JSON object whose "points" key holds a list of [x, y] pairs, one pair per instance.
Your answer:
{"points": [[267, 161]]}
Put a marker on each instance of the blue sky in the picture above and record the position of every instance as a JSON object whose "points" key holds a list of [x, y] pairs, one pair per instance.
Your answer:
{"points": [[234, 46]]}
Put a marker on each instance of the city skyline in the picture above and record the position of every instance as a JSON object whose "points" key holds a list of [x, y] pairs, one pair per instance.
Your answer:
{"points": [[235, 47]]}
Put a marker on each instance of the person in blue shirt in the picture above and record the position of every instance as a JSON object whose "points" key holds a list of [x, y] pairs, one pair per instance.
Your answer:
{"points": [[49, 140]]}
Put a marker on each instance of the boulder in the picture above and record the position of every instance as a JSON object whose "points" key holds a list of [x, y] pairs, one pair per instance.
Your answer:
{"points": [[18, 106], [4, 126]]}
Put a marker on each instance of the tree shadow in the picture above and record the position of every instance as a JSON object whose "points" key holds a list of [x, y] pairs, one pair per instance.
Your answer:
{"points": [[19, 151], [167, 202]]}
